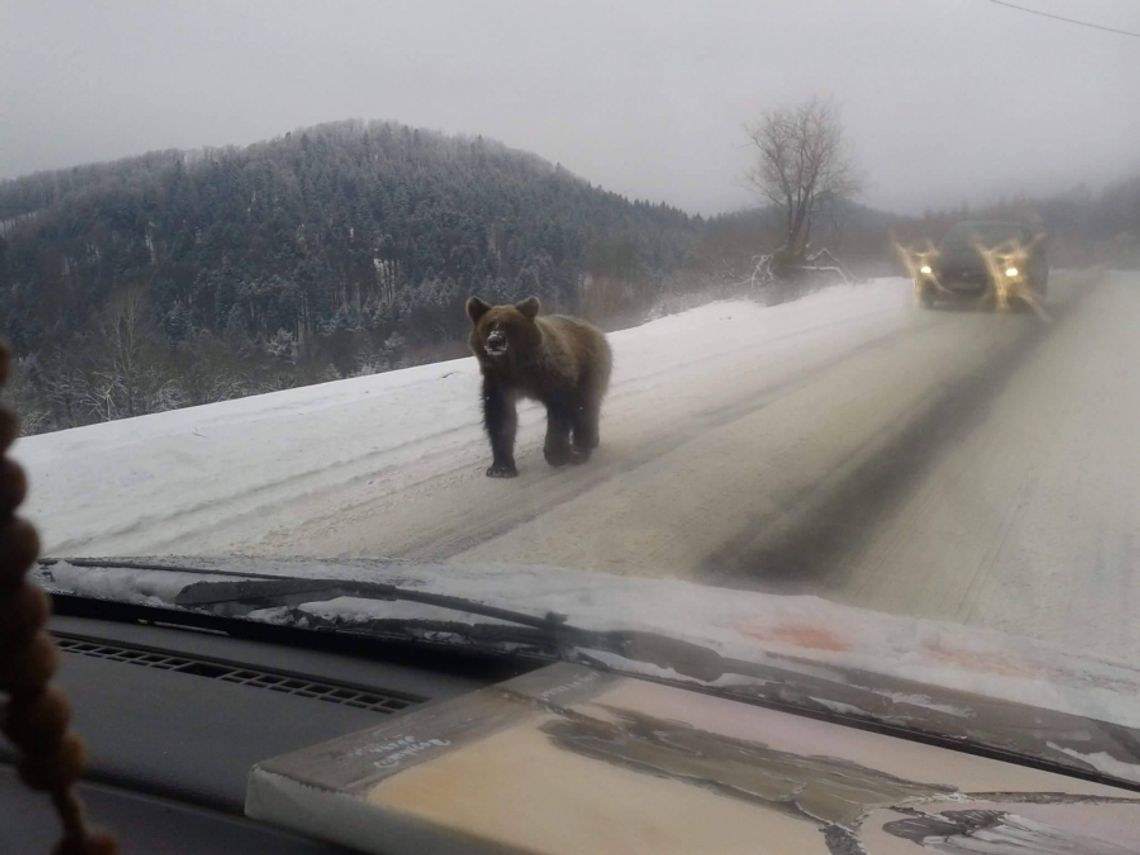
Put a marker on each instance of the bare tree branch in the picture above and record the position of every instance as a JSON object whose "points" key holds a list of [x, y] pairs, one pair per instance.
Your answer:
{"points": [[801, 167]]}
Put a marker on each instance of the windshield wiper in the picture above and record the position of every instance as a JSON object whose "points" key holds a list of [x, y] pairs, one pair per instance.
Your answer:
{"points": [[244, 587], [286, 591], [550, 632], [261, 590]]}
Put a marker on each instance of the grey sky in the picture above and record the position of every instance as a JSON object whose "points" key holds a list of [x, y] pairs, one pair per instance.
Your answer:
{"points": [[943, 100]]}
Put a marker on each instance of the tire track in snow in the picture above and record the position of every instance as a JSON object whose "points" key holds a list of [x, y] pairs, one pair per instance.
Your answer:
{"points": [[790, 551], [1027, 524]]}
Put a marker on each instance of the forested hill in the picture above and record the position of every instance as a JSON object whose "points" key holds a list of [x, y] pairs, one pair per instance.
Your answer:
{"points": [[330, 251], [343, 247]]}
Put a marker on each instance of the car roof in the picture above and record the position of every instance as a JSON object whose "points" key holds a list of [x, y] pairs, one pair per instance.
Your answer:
{"points": [[989, 224]]}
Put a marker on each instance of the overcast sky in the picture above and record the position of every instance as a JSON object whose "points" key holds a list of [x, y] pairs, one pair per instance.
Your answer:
{"points": [[943, 100]]}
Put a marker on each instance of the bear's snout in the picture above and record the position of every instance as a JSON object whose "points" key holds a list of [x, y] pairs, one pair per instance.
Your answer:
{"points": [[496, 342]]}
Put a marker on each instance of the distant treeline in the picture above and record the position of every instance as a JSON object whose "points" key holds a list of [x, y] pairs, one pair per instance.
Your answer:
{"points": [[182, 278]]}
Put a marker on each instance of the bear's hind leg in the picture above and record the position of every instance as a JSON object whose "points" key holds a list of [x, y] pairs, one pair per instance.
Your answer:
{"points": [[586, 428], [557, 449]]}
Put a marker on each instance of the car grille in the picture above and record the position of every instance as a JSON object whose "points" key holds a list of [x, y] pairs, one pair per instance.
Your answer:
{"points": [[965, 280]]}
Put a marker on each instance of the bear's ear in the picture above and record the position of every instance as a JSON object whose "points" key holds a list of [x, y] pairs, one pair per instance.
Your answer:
{"points": [[476, 308], [529, 307]]}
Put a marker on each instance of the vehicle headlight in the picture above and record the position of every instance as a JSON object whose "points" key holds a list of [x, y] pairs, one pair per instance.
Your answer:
{"points": [[925, 270], [1011, 272]]}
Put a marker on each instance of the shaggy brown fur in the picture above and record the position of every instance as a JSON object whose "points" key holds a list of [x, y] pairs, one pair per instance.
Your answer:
{"points": [[563, 362]]}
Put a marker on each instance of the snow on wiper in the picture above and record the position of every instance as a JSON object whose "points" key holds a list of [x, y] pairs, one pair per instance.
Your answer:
{"points": [[241, 593], [226, 587], [686, 658], [286, 591]]}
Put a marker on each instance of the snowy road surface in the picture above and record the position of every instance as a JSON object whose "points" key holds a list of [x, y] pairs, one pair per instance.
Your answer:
{"points": [[954, 465]]}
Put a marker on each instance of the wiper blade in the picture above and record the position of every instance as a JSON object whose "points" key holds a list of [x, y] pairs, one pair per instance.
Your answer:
{"points": [[290, 591], [684, 657], [551, 630], [239, 587]]}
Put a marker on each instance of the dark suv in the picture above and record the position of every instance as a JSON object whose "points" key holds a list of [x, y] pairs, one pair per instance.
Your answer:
{"points": [[1003, 263]]}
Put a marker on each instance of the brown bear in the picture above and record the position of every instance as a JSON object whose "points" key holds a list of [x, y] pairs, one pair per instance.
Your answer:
{"points": [[563, 362]]}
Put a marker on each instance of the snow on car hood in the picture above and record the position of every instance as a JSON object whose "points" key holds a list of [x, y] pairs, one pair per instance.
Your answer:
{"points": [[973, 686]]}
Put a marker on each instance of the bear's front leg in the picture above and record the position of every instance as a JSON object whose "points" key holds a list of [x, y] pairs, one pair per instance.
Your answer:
{"points": [[501, 420]]}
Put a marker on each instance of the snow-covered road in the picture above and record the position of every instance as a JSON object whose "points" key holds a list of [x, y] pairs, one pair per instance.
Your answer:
{"points": [[1027, 517], [962, 465]]}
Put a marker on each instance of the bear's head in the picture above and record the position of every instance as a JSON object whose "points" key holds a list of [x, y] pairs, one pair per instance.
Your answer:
{"points": [[501, 333]]}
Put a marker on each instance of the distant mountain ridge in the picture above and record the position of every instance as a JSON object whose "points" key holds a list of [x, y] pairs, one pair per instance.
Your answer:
{"points": [[349, 225]]}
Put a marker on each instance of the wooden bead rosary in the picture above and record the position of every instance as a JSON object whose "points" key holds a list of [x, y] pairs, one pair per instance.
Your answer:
{"points": [[35, 715]]}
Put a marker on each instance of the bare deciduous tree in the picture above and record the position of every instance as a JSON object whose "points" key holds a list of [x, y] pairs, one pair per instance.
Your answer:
{"points": [[20, 395], [802, 167], [126, 373]]}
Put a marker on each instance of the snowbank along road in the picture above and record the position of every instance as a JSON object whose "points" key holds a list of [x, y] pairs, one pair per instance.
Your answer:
{"points": [[950, 464]]}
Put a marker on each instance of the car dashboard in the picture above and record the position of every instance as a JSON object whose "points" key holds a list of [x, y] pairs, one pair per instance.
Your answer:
{"points": [[174, 717]]}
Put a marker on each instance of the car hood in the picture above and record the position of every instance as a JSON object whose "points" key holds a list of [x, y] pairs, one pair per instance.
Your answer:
{"points": [[980, 689], [960, 256]]}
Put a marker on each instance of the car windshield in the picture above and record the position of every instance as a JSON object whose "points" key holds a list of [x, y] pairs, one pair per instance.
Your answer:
{"points": [[989, 234], [622, 317]]}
